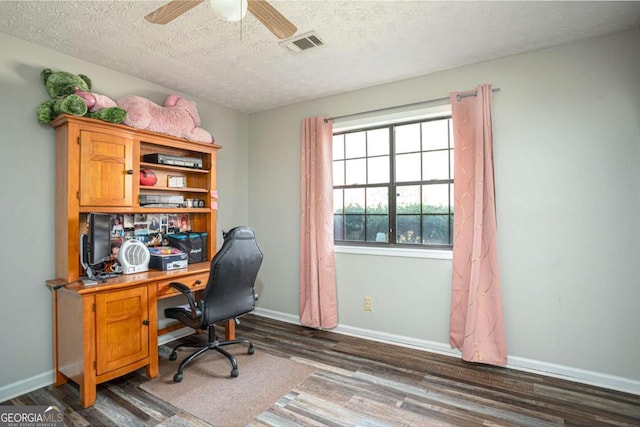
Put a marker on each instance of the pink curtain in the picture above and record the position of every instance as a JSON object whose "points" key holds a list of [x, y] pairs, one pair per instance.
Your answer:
{"points": [[476, 323], [318, 300]]}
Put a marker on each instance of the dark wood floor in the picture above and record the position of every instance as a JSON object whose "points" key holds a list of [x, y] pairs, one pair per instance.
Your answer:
{"points": [[363, 383]]}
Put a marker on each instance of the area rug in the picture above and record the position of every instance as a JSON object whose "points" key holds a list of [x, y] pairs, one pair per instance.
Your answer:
{"points": [[208, 392]]}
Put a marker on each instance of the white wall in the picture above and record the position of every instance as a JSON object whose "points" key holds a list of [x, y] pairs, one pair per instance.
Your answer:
{"points": [[567, 153], [27, 197]]}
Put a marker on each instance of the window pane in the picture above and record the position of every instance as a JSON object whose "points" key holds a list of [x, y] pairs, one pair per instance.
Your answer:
{"points": [[451, 229], [408, 229], [355, 145], [354, 227], [354, 200], [356, 172], [338, 227], [338, 147], [338, 172], [435, 165], [408, 199], [378, 170], [408, 167], [377, 227], [407, 138], [436, 229], [378, 200], [451, 157], [451, 195], [452, 143], [338, 205], [435, 135], [435, 198], [378, 142]]}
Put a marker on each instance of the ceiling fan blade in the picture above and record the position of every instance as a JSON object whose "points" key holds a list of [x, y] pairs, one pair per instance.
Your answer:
{"points": [[272, 19], [171, 11]]}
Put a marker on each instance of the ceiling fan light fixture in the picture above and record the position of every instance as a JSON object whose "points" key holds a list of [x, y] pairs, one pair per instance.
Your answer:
{"points": [[229, 10]]}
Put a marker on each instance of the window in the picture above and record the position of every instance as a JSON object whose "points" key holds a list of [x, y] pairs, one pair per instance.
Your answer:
{"points": [[393, 184]]}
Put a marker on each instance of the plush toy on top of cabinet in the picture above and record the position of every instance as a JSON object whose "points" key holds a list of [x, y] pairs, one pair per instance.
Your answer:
{"points": [[178, 117], [61, 87]]}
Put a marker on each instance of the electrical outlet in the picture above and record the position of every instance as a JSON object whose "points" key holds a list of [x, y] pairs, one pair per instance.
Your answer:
{"points": [[368, 304]]}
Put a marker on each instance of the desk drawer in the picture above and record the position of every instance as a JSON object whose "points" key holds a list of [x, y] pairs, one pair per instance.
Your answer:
{"points": [[194, 282]]}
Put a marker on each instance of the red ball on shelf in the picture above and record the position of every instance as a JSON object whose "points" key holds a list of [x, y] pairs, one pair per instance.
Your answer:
{"points": [[148, 177]]}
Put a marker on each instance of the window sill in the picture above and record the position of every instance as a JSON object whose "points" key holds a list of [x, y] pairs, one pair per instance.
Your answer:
{"points": [[399, 252]]}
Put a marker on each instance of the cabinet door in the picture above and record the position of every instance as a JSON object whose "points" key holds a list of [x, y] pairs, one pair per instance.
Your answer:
{"points": [[106, 169], [122, 328]]}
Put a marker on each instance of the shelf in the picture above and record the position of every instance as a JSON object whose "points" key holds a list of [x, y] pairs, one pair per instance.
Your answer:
{"points": [[171, 210], [146, 165], [141, 209], [175, 189]]}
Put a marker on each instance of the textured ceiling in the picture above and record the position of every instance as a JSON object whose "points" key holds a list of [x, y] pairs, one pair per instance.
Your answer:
{"points": [[242, 66]]}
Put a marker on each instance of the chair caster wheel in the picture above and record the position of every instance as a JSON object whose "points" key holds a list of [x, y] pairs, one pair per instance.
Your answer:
{"points": [[177, 378], [173, 356], [251, 350], [234, 372]]}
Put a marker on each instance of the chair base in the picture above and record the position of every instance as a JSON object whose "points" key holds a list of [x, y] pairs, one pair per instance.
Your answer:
{"points": [[213, 344]]}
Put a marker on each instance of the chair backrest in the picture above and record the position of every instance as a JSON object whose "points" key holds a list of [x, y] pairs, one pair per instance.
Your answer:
{"points": [[230, 290]]}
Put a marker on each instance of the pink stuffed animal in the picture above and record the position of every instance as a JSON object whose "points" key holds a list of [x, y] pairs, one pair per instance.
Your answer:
{"points": [[95, 101], [101, 107], [178, 117]]}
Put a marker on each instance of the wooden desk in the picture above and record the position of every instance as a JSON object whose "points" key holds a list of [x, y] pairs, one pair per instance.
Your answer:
{"points": [[110, 329], [107, 330]]}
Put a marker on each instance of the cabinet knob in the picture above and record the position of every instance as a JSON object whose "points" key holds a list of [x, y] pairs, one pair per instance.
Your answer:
{"points": [[145, 322], [129, 171], [198, 282]]}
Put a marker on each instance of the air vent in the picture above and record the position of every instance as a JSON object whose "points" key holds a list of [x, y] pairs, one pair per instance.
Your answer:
{"points": [[303, 42]]}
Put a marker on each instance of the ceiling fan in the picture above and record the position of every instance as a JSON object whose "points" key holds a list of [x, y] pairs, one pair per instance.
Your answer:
{"points": [[229, 10]]}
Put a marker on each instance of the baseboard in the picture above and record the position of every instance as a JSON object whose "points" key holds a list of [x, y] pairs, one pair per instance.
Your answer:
{"points": [[27, 385], [514, 362], [174, 335]]}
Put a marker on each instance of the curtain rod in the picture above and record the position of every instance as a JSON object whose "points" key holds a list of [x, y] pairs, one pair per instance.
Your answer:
{"points": [[428, 101]]}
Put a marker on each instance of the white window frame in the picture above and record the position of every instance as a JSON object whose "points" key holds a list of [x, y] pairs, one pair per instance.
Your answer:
{"points": [[386, 119]]}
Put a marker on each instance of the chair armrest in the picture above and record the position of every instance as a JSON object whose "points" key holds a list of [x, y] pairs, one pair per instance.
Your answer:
{"points": [[184, 289], [180, 287]]}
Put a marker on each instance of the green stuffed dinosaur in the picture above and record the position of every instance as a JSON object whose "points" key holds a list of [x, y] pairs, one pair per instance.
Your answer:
{"points": [[62, 87]]}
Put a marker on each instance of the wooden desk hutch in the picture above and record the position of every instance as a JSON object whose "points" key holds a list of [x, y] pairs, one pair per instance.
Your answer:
{"points": [[107, 330]]}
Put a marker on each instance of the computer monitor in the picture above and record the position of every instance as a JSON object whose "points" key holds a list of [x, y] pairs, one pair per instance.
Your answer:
{"points": [[96, 244]]}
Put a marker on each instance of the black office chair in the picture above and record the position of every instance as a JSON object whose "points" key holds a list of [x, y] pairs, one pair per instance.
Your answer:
{"points": [[229, 294]]}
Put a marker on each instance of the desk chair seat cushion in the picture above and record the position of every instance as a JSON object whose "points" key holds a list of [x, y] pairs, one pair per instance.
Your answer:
{"points": [[184, 314]]}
